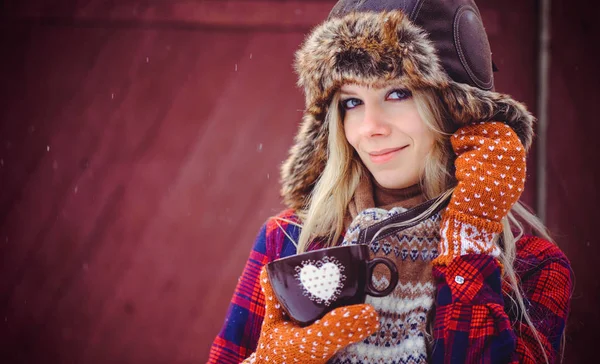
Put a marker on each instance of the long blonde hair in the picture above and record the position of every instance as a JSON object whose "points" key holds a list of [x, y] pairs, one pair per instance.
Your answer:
{"points": [[325, 212], [323, 217]]}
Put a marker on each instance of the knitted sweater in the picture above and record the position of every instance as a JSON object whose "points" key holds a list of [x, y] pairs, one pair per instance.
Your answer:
{"points": [[401, 338], [474, 319]]}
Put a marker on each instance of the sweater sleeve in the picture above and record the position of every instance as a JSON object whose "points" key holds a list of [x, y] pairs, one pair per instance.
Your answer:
{"points": [[472, 321]]}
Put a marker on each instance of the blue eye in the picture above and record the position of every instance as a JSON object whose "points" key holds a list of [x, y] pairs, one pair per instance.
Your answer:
{"points": [[399, 95], [350, 103]]}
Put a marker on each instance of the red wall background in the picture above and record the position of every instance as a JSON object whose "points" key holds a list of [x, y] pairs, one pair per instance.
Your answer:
{"points": [[140, 143]]}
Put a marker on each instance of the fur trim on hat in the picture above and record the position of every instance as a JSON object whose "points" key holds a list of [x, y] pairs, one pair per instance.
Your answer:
{"points": [[375, 49]]}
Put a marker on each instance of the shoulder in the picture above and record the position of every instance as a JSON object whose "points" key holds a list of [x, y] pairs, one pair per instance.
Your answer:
{"points": [[532, 248], [281, 233], [541, 261], [282, 220], [546, 279]]}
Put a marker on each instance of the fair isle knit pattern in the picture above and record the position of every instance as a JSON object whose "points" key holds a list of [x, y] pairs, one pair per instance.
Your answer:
{"points": [[401, 338], [472, 239]]}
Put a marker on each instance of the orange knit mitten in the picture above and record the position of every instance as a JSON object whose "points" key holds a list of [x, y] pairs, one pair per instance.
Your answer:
{"points": [[281, 341], [490, 169]]}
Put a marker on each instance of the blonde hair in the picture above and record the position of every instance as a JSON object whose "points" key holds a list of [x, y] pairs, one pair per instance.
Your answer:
{"points": [[323, 216]]}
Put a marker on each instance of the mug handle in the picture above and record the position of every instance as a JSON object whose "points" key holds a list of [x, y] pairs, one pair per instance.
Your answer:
{"points": [[370, 289]]}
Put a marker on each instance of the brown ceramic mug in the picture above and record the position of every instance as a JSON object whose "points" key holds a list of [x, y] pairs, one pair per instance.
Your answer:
{"points": [[311, 284]]}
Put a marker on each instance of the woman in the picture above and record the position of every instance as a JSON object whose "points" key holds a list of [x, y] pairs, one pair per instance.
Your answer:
{"points": [[404, 136]]}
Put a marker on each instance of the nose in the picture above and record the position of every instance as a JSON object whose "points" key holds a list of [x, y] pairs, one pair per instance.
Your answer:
{"points": [[375, 122]]}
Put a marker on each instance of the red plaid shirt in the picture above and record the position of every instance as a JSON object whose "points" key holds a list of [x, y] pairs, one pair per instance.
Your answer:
{"points": [[475, 320]]}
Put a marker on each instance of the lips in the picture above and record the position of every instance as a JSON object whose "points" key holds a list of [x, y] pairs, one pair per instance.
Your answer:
{"points": [[384, 155]]}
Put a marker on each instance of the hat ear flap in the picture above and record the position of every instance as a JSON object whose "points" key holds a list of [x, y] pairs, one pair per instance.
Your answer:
{"points": [[305, 163], [466, 104]]}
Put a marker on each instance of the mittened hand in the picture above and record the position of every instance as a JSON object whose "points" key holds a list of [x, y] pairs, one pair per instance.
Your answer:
{"points": [[490, 169], [281, 341]]}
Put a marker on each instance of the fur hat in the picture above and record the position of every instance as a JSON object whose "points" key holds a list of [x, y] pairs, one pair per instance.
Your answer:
{"points": [[376, 44]]}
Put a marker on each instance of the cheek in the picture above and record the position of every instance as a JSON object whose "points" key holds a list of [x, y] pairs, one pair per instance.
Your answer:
{"points": [[428, 141], [351, 134], [425, 141], [423, 136]]}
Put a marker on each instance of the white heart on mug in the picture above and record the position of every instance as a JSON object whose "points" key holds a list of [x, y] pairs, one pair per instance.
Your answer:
{"points": [[321, 282]]}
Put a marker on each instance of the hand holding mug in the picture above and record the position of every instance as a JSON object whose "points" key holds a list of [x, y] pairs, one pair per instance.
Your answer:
{"points": [[310, 284], [281, 340]]}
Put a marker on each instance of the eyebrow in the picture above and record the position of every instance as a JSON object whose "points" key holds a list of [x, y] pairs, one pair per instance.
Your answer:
{"points": [[386, 87], [348, 92]]}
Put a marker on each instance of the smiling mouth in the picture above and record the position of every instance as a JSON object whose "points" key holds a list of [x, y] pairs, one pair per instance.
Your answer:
{"points": [[386, 151], [384, 155]]}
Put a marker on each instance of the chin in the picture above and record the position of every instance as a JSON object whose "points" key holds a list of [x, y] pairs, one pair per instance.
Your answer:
{"points": [[396, 186], [394, 183]]}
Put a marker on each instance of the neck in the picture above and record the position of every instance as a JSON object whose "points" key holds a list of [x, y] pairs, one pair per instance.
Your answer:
{"points": [[370, 194], [402, 197]]}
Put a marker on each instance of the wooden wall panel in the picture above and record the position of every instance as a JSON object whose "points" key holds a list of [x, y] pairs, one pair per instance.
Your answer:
{"points": [[257, 14], [573, 167], [511, 28], [137, 168]]}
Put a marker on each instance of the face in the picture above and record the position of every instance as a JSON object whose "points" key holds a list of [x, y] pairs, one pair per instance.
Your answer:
{"points": [[386, 130]]}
